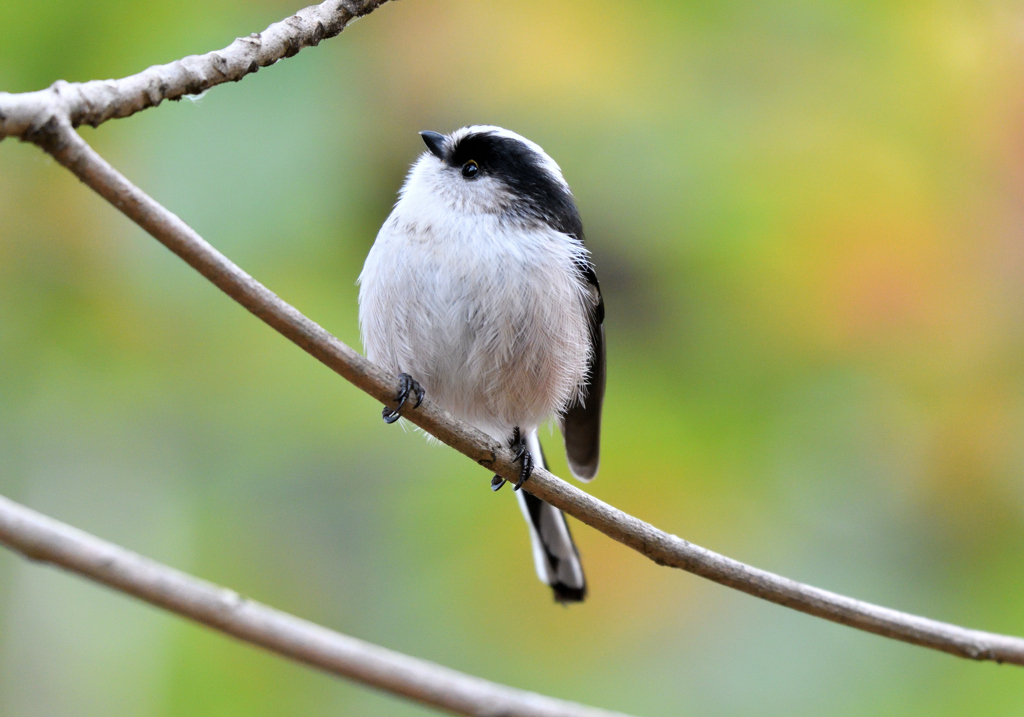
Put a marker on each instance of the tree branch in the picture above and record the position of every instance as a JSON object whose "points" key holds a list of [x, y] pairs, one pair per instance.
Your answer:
{"points": [[39, 537], [74, 153], [95, 102]]}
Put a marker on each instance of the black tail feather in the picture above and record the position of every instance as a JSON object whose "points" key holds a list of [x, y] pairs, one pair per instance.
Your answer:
{"points": [[555, 555]]}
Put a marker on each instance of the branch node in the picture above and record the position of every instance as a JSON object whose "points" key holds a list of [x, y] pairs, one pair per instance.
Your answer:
{"points": [[488, 462], [231, 601]]}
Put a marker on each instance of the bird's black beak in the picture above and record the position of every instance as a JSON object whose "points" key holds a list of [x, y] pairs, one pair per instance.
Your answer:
{"points": [[435, 143]]}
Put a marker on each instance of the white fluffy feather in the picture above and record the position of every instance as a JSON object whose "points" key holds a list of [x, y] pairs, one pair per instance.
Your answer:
{"points": [[489, 315]]}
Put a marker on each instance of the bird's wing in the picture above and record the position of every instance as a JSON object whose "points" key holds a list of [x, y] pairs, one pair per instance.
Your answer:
{"points": [[581, 424]]}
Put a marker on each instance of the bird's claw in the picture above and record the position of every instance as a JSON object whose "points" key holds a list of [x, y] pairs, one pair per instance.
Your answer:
{"points": [[525, 461], [523, 457], [407, 385]]}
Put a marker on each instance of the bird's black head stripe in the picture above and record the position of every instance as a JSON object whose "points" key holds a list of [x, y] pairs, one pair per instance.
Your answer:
{"points": [[539, 194]]}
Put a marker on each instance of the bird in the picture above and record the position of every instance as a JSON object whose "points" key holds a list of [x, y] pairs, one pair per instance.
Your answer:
{"points": [[479, 292]]}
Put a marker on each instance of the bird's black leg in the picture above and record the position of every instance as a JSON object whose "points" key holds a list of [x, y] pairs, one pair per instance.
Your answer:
{"points": [[522, 456], [525, 460], [406, 385]]}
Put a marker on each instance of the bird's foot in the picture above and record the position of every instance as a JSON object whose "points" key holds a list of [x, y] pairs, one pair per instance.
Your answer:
{"points": [[522, 457], [407, 385], [525, 460]]}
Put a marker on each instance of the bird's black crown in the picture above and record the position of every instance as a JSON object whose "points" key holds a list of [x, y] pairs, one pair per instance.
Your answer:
{"points": [[539, 193]]}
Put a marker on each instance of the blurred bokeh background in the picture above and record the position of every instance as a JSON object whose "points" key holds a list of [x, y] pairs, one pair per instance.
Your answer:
{"points": [[807, 218]]}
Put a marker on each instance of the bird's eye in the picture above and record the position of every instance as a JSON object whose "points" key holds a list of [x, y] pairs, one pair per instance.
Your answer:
{"points": [[470, 169]]}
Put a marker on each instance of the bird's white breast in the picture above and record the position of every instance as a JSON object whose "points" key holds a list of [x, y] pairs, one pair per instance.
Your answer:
{"points": [[490, 317]]}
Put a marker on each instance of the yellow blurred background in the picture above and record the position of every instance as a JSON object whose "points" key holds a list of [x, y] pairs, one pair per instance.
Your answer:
{"points": [[807, 219]]}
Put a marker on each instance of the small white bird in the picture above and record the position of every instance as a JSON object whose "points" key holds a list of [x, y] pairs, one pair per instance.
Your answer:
{"points": [[479, 292]]}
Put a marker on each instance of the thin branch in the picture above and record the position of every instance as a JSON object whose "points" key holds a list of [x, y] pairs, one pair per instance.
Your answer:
{"points": [[39, 537], [95, 102], [74, 153]]}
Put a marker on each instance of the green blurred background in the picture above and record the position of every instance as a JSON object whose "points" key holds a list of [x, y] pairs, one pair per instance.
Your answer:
{"points": [[807, 219]]}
